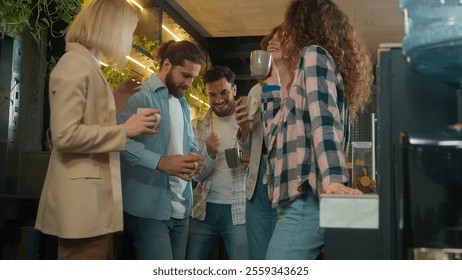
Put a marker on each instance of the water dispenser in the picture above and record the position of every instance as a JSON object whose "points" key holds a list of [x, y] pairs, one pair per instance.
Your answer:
{"points": [[432, 160]]}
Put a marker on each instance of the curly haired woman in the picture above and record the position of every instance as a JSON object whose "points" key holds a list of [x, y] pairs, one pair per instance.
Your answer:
{"points": [[307, 134]]}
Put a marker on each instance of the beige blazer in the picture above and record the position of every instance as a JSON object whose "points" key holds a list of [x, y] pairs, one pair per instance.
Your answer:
{"points": [[81, 196]]}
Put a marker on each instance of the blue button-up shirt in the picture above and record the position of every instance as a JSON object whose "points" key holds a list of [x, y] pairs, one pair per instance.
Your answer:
{"points": [[145, 190]]}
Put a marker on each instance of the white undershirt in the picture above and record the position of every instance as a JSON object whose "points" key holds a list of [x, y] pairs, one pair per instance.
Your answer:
{"points": [[221, 190], [175, 147]]}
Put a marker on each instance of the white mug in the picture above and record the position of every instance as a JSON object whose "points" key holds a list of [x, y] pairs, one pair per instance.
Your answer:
{"points": [[260, 64], [156, 114], [253, 106]]}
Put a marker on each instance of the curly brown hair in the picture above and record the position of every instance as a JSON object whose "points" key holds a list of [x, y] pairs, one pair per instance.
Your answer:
{"points": [[322, 23]]}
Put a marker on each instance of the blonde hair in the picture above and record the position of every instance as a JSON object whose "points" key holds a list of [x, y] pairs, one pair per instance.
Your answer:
{"points": [[108, 26]]}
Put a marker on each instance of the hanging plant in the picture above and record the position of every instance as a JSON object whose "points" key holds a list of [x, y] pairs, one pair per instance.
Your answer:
{"points": [[148, 48], [37, 16], [114, 77], [40, 16]]}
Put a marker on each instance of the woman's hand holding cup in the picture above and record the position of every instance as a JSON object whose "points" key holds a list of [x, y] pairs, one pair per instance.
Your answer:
{"points": [[152, 118], [143, 123]]}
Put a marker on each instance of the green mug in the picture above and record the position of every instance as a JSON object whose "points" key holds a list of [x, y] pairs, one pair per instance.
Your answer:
{"points": [[233, 157]]}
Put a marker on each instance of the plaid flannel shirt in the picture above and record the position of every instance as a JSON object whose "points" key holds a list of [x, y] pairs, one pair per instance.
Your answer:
{"points": [[202, 129], [307, 135]]}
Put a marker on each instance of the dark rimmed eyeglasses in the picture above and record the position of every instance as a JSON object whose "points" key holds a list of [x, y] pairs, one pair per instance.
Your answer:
{"points": [[222, 94]]}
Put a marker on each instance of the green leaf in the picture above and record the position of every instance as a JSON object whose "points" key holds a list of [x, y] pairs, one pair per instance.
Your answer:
{"points": [[46, 22]]}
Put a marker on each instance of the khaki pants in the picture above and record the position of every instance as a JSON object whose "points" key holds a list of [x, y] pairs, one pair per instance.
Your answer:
{"points": [[93, 248]]}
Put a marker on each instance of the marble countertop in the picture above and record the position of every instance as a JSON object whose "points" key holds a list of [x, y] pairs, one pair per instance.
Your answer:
{"points": [[349, 211]]}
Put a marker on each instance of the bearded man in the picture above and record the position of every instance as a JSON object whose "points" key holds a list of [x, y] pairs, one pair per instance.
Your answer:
{"points": [[219, 198], [157, 169]]}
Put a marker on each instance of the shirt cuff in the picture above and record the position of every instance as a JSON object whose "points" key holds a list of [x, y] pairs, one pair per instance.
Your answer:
{"points": [[150, 160]]}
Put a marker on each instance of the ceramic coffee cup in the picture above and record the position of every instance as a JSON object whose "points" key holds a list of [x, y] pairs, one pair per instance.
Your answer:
{"points": [[253, 104], [260, 64], [245, 101], [233, 157], [157, 115]]}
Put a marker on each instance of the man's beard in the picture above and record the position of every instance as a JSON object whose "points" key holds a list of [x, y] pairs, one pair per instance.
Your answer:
{"points": [[227, 112], [172, 89]]}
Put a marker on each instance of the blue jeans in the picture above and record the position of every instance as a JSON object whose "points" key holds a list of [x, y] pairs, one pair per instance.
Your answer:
{"points": [[260, 218], [297, 235], [158, 240], [218, 222]]}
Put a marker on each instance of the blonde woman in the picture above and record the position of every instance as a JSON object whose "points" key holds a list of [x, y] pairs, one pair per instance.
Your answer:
{"points": [[81, 197]]}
